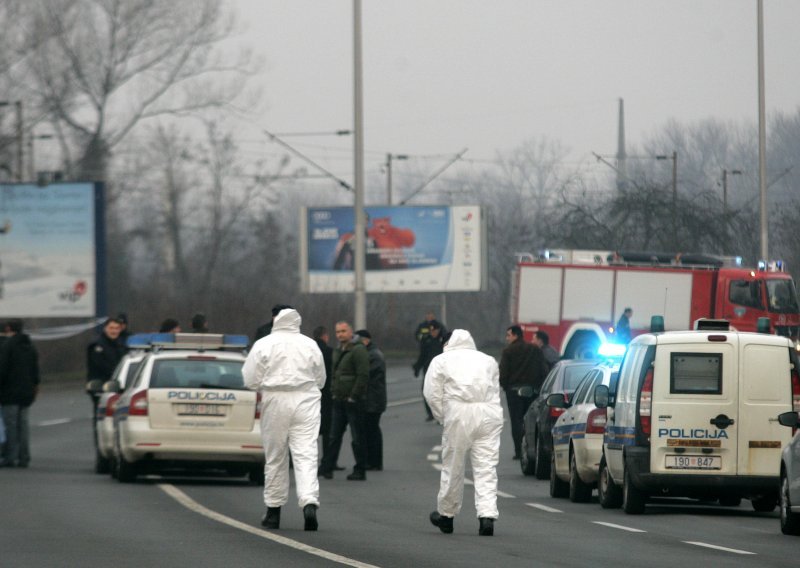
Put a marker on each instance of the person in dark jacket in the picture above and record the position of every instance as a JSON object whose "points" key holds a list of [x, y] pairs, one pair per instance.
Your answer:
{"points": [[199, 323], [375, 401], [522, 372], [321, 336], [266, 328], [349, 389], [542, 341], [102, 357], [431, 345], [19, 385]]}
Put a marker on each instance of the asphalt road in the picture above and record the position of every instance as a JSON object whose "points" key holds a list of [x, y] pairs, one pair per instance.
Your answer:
{"points": [[59, 513]]}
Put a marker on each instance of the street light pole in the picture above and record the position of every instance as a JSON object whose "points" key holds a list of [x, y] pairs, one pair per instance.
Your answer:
{"points": [[762, 136], [360, 225], [389, 158]]}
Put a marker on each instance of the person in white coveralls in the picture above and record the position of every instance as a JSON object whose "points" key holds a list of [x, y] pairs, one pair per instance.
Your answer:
{"points": [[462, 387], [288, 369]]}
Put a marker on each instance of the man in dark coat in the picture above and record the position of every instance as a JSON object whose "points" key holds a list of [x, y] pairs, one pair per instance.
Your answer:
{"points": [[322, 337], [522, 372], [375, 401], [431, 345], [19, 384], [102, 357]]}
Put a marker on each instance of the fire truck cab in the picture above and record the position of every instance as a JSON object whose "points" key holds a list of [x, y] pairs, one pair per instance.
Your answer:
{"points": [[577, 296]]}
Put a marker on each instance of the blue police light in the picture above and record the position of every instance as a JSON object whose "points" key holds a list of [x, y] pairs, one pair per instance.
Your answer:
{"points": [[140, 340], [236, 341], [612, 350]]}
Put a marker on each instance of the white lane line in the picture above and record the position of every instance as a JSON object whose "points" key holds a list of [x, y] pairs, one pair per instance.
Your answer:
{"points": [[544, 508], [436, 449], [505, 495], [620, 527], [193, 505], [715, 547], [433, 457], [54, 422], [404, 401]]}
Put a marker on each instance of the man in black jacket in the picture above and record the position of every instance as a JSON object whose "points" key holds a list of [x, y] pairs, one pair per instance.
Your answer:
{"points": [[522, 372], [102, 357], [375, 402], [19, 384], [321, 336], [431, 345]]}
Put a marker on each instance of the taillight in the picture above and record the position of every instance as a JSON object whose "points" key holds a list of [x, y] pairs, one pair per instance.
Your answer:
{"points": [[555, 412], [646, 402], [111, 405], [138, 405], [596, 421], [258, 406]]}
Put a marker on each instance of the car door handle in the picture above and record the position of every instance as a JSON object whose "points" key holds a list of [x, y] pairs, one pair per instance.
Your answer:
{"points": [[722, 421]]}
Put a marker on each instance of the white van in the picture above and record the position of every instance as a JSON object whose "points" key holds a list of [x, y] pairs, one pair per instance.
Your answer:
{"points": [[694, 414]]}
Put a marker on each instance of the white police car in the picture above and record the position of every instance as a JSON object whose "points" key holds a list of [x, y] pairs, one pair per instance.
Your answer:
{"points": [[187, 408], [790, 471], [578, 435]]}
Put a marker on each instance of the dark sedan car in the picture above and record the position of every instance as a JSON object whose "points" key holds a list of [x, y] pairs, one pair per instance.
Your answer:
{"points": [[537, 440]]}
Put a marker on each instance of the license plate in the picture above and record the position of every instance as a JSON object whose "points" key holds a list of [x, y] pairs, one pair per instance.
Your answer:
{"points": [[693, 462], [200, 409]]}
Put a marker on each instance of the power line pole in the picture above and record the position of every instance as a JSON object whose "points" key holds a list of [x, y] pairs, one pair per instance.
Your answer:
{"points": [[358, 142]]}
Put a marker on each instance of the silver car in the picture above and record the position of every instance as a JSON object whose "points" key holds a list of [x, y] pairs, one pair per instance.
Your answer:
{"points": [[790, 476]]}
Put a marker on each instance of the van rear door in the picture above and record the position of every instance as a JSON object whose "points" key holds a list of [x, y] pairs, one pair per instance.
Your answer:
{"points": [[695, 413], [766, 391]]}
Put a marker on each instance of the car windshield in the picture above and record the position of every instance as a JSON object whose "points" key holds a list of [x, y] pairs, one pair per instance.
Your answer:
{"points": [[206, 373], [573, 375], [782, 296]]}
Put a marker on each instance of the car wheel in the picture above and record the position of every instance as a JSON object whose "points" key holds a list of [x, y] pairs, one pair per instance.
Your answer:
{"points": [[633, 499], [579, 492], [101, 464], [527, 465], [730, 500], [542, 466], [256, 475], [790, 522], [558, 487], [765, 503], [608, 493], [126, 471]]}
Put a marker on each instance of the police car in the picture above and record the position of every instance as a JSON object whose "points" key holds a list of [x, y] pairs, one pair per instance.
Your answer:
{"points": [[578, 435], [187, 408], [104, 413]]}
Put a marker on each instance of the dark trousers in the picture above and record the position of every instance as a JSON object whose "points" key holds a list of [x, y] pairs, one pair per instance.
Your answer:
{"points": [[425, 402], [374, 440], [326, 414], [517, 407], [344, 414], [16, 450]]}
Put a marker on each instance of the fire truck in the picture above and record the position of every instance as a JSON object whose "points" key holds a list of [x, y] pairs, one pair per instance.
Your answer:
{"points": [[577, 296]]}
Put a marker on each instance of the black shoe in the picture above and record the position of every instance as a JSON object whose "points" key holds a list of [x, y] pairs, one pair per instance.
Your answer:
{"points": [[445, 524], [429, 419], [326, 473], [374, 468], [516, 457], [272, 518], [357, 475], [337, 468], [310, 516], [486, 526]]}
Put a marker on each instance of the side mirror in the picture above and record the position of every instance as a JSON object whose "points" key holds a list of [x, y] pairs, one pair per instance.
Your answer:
{"points": [[95, 386], [601, 396], [790, 419], [112, 386], [557, 400]]}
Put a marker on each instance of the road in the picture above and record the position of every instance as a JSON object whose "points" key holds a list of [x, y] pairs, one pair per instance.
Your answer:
{"points": [[59, 513]]}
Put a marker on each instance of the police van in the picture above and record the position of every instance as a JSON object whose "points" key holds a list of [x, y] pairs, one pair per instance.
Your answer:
{"points": [[694, 414]]}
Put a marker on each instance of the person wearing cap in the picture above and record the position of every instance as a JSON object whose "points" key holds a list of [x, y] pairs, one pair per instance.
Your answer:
{"points": [[375, 402], [102, 357], [288, 370]]}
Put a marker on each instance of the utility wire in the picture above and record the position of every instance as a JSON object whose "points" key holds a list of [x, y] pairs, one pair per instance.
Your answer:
{"points": [[340, 181], [430, 179]]}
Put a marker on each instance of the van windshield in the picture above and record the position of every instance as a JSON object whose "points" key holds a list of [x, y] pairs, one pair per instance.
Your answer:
{"points": [[782, 296]]}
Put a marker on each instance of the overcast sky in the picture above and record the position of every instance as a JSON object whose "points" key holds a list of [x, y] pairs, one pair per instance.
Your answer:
{"points": [[442, 75]]}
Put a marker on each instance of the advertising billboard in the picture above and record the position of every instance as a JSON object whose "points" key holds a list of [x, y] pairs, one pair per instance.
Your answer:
{"points": [[408, 249], [50, 241]]}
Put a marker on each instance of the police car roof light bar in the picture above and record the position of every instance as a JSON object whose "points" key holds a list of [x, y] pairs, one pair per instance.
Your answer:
{"points": [[199, 341]]}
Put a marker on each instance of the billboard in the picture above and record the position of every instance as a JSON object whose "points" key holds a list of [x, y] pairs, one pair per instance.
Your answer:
{"points": [[51, 250], [409, 249]]}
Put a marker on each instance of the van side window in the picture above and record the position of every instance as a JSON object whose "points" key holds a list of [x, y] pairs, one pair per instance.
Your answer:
{"points": [[745, 293], [695, 373]]}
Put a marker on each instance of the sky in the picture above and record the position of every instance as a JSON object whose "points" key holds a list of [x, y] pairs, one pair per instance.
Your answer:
{"points": [[444, 75]]}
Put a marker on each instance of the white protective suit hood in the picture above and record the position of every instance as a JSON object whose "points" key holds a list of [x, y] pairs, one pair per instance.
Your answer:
{"points": [[460, 339], [287, 320]]}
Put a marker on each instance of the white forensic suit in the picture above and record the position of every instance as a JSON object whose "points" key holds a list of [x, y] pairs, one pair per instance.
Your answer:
{"points": [[462, 387], [288, 369]]}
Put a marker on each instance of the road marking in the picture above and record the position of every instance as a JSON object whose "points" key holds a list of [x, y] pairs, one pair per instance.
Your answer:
{"points": [[620, 527], [715, 547], [544, 508], [436, 449], [54, 422], [404, 401], [193, 505], [433, 457], [505, 495]]}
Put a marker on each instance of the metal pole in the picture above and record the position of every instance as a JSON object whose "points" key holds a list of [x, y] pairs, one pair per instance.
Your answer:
{"points": [[389, 178], [724, 196], [20, 141], [675, 179], [762, 136], [360, 225]]}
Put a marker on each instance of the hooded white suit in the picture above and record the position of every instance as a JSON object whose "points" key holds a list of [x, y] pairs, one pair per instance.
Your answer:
{"points": [[288, 369], [462, 387]]}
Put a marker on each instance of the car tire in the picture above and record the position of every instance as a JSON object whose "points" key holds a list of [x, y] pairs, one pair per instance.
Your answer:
{"points": [[730, 500], [101, 464], [256, 475], [558, 487], [579, 492], [765, 503], [526, 464], [608, 493], [126, 471], [790, 522], [633, 499], [542, 467]]}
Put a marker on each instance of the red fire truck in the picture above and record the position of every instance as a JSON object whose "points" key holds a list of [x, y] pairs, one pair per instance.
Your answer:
{"points": [[577, 296]]}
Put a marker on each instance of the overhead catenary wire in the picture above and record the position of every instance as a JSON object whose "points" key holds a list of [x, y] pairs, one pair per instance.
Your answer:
{"points": [[299, 154]]}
